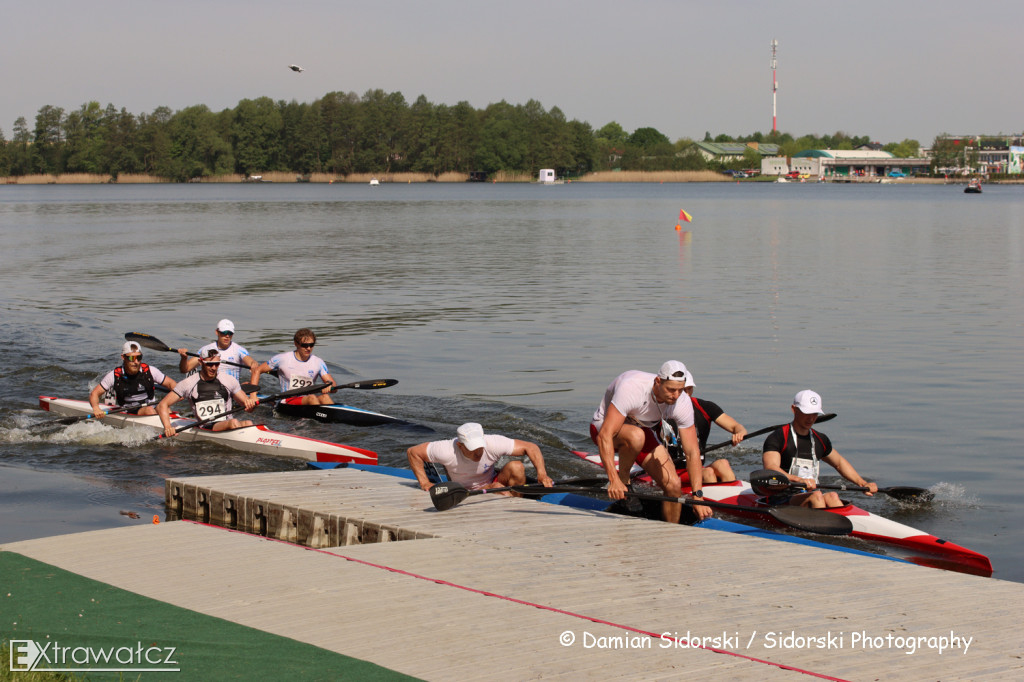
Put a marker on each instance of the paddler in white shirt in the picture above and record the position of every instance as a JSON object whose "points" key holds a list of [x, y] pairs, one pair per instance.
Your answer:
{"points": [[228, 350], [796, 450], [469, 459], [210, 394], [634, 405], [132, 384], [300, 368]]}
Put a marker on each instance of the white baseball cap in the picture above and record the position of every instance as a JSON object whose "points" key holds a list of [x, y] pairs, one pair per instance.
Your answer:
{"points": [[690, 383], [808, 402], [471, 435], [673, 370], [130, 347], [226, 325]]}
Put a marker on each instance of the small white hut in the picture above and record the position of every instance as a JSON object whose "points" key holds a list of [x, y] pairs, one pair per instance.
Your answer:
{"points": [[547, 176]]}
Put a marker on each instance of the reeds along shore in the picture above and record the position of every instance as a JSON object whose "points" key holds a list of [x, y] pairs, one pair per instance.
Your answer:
{"points": [[364, 178]]}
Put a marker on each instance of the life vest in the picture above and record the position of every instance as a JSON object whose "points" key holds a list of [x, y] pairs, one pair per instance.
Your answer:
{"points": [[125, 385], [804, 468], [211, 400]]}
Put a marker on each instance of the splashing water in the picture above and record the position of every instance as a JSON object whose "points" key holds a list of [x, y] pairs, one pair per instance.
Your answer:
{"points": [[954, 494]]}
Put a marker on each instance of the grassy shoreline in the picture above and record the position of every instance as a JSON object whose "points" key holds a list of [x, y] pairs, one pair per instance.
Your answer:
{"points": [[408, 178]]}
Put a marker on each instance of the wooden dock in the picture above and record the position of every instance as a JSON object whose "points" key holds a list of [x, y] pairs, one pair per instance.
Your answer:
{"points": [[361, 564]]}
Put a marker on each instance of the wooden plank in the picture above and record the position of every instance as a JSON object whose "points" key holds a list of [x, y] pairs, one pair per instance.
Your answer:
{"points": [[553, 570]]}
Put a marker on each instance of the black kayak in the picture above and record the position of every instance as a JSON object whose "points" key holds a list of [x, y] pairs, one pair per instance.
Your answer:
{"points": [[339, 414]]}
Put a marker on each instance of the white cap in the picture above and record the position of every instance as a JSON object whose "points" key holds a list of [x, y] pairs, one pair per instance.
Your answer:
{"points": [[690, 383], [471, 435], [808, 402], [226, 325], [208, 354], [673, 370], [130, 347]]}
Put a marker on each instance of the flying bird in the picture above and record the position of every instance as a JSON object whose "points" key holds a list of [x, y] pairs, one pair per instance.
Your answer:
{"points": [[296, 68]]}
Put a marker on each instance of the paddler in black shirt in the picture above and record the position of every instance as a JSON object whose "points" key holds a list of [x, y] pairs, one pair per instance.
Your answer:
{"points": [[705, 413], [132, 384], [210, 394], [796, 449]]}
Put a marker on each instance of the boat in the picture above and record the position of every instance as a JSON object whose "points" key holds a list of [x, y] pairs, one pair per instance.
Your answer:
{"points": [[547, 177], [973, 187], [338, 414], [256, 439], [914, 545], [577, 501]]}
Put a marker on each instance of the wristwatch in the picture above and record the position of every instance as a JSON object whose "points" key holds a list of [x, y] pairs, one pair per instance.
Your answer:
{"points": [[698, 494]]}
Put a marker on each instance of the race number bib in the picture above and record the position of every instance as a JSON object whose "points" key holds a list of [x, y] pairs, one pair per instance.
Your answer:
{"points": [[804, 468], [297, 381], [210, 409]]}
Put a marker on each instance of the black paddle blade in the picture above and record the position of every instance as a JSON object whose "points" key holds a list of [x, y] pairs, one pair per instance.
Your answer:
{"points": [[447, 495], [812, 520], [767, 482], [906, 493], [147, 341]]}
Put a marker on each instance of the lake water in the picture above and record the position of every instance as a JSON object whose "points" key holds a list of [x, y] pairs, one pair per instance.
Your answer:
{"points": [[515, 306]]}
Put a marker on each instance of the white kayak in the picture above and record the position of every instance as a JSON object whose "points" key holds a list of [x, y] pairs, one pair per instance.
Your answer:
{"points": [[256, 439]]}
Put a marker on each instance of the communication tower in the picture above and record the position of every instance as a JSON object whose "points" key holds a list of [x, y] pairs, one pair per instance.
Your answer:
{"points": [[775, 85]]}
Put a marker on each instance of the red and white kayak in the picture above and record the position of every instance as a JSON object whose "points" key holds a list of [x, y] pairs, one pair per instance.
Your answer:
{"points": [[257, 438], [918, 547]]}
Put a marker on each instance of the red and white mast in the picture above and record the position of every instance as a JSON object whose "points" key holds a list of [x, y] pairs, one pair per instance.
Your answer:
{"points": [[775, 85]]}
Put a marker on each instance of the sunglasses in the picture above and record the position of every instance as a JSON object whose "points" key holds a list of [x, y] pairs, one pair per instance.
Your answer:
{"points": [[132, 358], [211, 364], [225, 333], [306, 345]]}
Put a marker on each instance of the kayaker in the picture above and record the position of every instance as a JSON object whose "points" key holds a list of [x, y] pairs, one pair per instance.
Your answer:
{"points": [[299, 368], [227, 348], [705, 413], [796, 450], [633, 406], [133, 383], [470, 458], [210, 394]]}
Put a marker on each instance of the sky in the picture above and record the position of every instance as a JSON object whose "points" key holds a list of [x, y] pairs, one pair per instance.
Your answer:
{"points": [[890, 70]]}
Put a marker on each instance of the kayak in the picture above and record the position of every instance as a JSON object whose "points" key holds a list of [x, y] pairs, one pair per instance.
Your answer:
{"points": [[339, 414], [594, 504], [915, 545], [256, 438]]}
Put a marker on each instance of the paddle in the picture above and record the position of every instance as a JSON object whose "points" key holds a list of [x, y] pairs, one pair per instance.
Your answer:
{"points": [[766, 479], [801, 518], [153, 343], [768, 429], [361, 385], [241, 408], [447, 495]]}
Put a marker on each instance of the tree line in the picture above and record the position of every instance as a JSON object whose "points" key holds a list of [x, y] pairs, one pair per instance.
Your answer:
{"points": [[343, 133]]}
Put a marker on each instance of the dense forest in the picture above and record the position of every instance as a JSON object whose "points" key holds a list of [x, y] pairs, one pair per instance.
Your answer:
{"points": [[343, 133]]}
